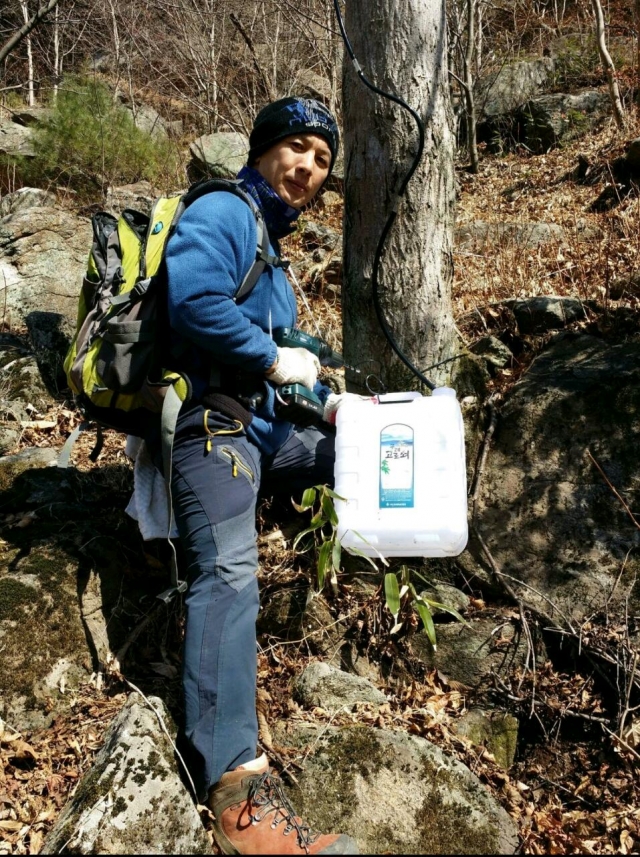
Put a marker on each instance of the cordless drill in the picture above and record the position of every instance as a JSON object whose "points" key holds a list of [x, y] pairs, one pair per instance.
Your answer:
{"points": [[295, 402]]}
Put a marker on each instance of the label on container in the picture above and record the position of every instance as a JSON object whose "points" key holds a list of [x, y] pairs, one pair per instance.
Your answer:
{"points": [[396, 467]]}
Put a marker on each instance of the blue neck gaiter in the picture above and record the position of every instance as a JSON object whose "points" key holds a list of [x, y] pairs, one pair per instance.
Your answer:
{"points": [[279, 217]]}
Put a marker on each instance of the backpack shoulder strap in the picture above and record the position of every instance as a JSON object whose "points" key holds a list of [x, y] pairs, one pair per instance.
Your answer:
{"points": [[263, 257]]}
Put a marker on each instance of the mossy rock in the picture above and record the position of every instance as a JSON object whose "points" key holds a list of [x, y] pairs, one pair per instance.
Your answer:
{"points": [[495, 730], [63, 535], [394, 793], [41, 630], [132, 801]]}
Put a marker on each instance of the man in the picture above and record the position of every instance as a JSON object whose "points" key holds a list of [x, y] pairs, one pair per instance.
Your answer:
{"points": [[228, 442]]}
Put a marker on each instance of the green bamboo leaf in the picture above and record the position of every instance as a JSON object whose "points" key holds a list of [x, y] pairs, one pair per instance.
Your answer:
{"points": [[328, 510], [451, 610], [392, 593], [323, 560], [303, 533], [308, 499], [427, 621], [336, 555], [416, 573], [333, 494], [362, 538], [358, 552]]}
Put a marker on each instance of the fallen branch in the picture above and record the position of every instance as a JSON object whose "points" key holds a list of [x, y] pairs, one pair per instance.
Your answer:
{"points": [[615, 491]]}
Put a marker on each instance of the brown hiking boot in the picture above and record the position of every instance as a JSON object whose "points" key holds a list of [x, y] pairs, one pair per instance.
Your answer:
{"points": [[253, 816]]}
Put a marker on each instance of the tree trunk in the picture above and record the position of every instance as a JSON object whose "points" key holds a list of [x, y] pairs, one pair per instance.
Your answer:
{"points": [[610, 69], [401, 46], [30, 97], [57, 59]]}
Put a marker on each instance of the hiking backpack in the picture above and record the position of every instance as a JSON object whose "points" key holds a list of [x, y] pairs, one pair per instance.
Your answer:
{"points": [[115, 365]]}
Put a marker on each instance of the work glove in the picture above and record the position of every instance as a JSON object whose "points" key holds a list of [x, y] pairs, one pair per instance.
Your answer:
{"points": [[295, 366], [334, 401]]}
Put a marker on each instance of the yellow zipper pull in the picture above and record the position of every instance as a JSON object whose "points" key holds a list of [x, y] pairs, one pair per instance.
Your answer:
{"points": [[234, 466], [207, 443]]}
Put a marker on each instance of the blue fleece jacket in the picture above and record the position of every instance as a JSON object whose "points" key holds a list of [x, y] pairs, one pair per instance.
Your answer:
{"points": [[207, 258]]}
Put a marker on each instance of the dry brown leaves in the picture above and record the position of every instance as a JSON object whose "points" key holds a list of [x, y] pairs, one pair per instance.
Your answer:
{"points": [[39, 771], [520, 188], [582, 790]]}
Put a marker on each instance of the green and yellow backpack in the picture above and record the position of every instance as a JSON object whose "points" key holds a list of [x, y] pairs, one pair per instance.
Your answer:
{"points": [[116, 364]]}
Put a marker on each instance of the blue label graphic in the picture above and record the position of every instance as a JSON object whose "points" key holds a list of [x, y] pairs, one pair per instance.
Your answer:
{"points": [[396, 467]]}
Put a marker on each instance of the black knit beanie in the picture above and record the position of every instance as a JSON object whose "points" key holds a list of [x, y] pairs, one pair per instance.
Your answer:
{"points": [[290, 116]]}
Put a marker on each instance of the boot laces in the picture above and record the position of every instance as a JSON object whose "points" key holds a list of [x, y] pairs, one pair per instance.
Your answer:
{"points": [[267, 792]]}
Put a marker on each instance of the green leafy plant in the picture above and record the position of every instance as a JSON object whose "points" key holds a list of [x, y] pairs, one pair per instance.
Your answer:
{"points": [[90, 141], [323, 528], [400, 592]]}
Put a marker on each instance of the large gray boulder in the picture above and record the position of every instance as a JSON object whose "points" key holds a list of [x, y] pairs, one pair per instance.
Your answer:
{"points": [[472, 653], [546, 312], [483, 235], [29, 116], [220, 155], [26, 197], [544, 509], [500, 93], [395, 793], [147, 119], [43, 256], [16, 140], [41, 628], [139, 195], [550, 120], [132, 801]]}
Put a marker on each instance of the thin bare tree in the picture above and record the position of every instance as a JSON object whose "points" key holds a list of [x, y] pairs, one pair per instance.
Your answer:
{"points": [[609, 67]]}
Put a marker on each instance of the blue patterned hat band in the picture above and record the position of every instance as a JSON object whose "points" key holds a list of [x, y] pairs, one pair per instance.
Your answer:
{"points": [[290, 116]]}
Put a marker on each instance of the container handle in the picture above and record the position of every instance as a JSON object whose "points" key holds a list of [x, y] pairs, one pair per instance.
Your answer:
{"points": [[391, 398]]}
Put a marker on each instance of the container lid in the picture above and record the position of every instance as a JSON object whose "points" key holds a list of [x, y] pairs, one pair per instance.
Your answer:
{"points": [[444, 391]]}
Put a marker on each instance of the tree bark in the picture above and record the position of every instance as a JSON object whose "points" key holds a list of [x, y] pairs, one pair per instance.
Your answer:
{"points": [[31, 96], [26, 28], [610, 69], [401, 46], [469, 94], [637, 17], [57, 58]]}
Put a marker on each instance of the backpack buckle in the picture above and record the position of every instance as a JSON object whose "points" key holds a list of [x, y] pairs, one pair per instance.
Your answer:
{"points": [[141, 288]]}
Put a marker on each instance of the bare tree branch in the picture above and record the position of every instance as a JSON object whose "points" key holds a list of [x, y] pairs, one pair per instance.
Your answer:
{"points": [[26, 28]]}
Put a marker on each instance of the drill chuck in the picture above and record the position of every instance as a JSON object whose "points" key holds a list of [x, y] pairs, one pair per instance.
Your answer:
{"points": [[291, 338]]}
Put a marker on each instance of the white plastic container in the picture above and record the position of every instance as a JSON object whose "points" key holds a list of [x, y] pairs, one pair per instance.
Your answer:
{"points": [[400, 465]]}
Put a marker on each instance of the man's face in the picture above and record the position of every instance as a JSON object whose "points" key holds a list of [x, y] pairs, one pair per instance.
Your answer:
{"points": [[296, 167]]}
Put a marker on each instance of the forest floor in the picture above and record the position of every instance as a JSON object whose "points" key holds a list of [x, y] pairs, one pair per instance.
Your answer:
{"points": [[572, 788]]}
